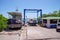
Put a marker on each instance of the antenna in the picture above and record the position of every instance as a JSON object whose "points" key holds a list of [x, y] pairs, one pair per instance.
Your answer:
{"points": [[16, 8]]}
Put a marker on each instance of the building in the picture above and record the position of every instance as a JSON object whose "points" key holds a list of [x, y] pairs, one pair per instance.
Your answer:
{"points": [[50, 22]]}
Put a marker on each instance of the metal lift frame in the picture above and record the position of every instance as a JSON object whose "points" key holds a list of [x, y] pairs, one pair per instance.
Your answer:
{"points": [[37, 10]]}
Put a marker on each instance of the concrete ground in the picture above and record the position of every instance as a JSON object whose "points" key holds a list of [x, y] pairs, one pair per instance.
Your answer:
{"points": [[31, 33], [42, 33], [10, 35]]}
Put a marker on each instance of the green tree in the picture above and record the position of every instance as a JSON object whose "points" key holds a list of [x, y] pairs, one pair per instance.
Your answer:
{"points": [[44, 15], [59, 13], [3, 22]]}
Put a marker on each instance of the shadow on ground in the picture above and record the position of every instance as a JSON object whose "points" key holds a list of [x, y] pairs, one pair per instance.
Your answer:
{"points": [[10, 29], [46, 39]]}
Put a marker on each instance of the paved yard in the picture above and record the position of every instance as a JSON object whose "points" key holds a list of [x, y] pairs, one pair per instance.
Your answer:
{"points": [[31, 33], [42, 33], [10, 35]]}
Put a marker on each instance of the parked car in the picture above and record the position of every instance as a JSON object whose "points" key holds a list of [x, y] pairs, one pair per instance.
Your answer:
{"points": [[58, 27]]}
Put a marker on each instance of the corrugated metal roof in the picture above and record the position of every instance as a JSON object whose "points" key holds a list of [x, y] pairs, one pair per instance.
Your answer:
{"points": [[51, 18]]}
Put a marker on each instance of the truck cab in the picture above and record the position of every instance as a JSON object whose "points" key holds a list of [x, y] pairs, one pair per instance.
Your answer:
{"points": [[32, 22]]}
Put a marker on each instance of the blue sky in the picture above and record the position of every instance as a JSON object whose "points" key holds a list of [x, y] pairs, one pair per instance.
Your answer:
{"points": [[46, 5]]}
